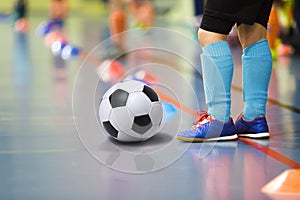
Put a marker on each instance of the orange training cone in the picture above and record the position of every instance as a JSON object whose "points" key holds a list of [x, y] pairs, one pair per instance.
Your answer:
{"points": [[285, 186], [110, 71]]}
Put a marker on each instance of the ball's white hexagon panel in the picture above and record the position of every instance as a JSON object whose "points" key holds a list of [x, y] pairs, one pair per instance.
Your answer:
{"points": [[121, 118], [156, 113], [131, 86], [104, 110], [138, 103]]}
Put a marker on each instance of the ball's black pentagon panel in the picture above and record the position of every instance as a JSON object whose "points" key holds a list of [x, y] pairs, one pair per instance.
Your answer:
{"points": [[110, 129], [150, 93], [118, 98], [110, 91], [141, 124]]}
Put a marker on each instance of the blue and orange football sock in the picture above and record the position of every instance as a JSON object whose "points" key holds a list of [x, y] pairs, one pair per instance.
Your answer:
{"points": [[257, 69], [217, 69]]}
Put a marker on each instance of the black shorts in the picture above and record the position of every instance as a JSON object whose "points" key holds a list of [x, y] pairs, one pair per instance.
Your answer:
{"points": [[220, 15]]}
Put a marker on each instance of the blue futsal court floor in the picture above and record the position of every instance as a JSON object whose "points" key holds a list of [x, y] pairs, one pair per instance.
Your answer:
{"points": [[51, 146]]}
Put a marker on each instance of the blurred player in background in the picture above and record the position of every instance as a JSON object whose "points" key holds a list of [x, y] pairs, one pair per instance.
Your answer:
{"points": [[58, 10], [20, 15], [141, 10]]}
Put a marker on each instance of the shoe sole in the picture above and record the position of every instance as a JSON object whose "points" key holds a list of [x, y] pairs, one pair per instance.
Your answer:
{"points": [[255, 135], [231, 137]]}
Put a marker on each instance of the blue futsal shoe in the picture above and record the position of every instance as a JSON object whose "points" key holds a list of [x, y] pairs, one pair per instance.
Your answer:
{"points": [[256, 128], [206, 128]]}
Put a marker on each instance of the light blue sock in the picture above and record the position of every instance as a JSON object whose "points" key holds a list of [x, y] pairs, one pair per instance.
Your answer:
{"points": [[257, 68], [217, 69]]}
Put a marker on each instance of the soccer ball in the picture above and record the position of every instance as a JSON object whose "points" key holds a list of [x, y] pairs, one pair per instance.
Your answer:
{"points": [[130, 111]]}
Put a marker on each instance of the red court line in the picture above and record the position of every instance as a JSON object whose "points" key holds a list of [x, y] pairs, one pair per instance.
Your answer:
{"points": [[273, 101], [250, 142], [272, 153], [177, 104], [266, 150]]}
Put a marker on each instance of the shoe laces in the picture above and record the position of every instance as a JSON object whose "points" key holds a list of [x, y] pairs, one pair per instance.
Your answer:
{"points": [[203, 118]]}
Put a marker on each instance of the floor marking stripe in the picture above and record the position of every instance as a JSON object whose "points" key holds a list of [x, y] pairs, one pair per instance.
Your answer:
{"points": [[266, 150], [177, 104], [250, 142], [273, 101], [271, 153]]}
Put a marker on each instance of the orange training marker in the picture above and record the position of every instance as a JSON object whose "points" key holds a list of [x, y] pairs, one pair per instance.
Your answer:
{"points": [[110, 71], [285, 186]]}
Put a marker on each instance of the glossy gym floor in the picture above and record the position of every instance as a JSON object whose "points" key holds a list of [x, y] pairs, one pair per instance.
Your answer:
{"points": [[50, 147]]}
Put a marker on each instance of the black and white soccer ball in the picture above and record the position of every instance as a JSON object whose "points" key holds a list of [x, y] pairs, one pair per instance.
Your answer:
{"points": [[131, 111]]}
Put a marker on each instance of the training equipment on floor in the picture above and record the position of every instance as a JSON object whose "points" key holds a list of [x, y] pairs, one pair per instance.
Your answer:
{"points": [[130, 111]]}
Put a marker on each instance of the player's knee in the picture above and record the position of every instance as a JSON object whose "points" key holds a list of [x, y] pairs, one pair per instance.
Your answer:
{"points": [[202, 35], [250, 34], [207, 37]]}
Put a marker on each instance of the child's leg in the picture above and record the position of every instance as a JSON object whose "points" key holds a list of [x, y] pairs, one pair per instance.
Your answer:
{"points": [[217, 67], [257, 68]]}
